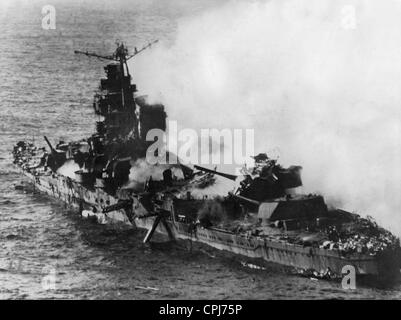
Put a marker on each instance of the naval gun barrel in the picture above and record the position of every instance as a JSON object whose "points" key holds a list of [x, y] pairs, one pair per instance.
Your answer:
{"points": [[58, 158], [50, 145], [225, 175], [251, 201], [121, 204]]}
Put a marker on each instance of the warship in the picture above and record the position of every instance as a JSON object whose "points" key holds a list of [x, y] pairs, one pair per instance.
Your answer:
{"points": [[265, 216]]}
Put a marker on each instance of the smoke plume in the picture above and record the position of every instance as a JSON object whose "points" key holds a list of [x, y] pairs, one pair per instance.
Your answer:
{"points": [[318, 79], [141, 171], [68, 169]]}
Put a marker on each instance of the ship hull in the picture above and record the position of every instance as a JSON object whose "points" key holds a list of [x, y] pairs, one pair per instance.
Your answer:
{"points": [[380, 267], [384, 266]]}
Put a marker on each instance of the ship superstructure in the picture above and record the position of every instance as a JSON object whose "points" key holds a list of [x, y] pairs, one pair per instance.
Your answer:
{"points": [[105, 157]]}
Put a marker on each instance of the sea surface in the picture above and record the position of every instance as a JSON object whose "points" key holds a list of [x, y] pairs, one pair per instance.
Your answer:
{"points": [[48, 251]]}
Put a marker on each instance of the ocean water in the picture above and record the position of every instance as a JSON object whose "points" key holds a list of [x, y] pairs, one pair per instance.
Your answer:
{"points": [[47, 90]]}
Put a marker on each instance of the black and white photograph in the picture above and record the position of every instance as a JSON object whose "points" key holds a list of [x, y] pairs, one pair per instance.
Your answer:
{"points": [[200, 150]]}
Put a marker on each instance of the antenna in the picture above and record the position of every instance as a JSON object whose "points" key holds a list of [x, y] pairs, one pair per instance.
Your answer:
{"points": [[121, 53]]}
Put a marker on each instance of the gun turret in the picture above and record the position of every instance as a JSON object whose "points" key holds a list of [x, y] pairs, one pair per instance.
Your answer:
{"points": [[57, 159]]}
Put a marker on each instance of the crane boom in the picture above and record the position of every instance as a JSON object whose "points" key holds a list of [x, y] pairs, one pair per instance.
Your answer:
{"points": [[91, 54], [142, 49]]}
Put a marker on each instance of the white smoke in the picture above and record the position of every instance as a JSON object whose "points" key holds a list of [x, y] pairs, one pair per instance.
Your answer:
{"points": [[219, 188], [318, 79], [141, 171], [68, 169]]}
